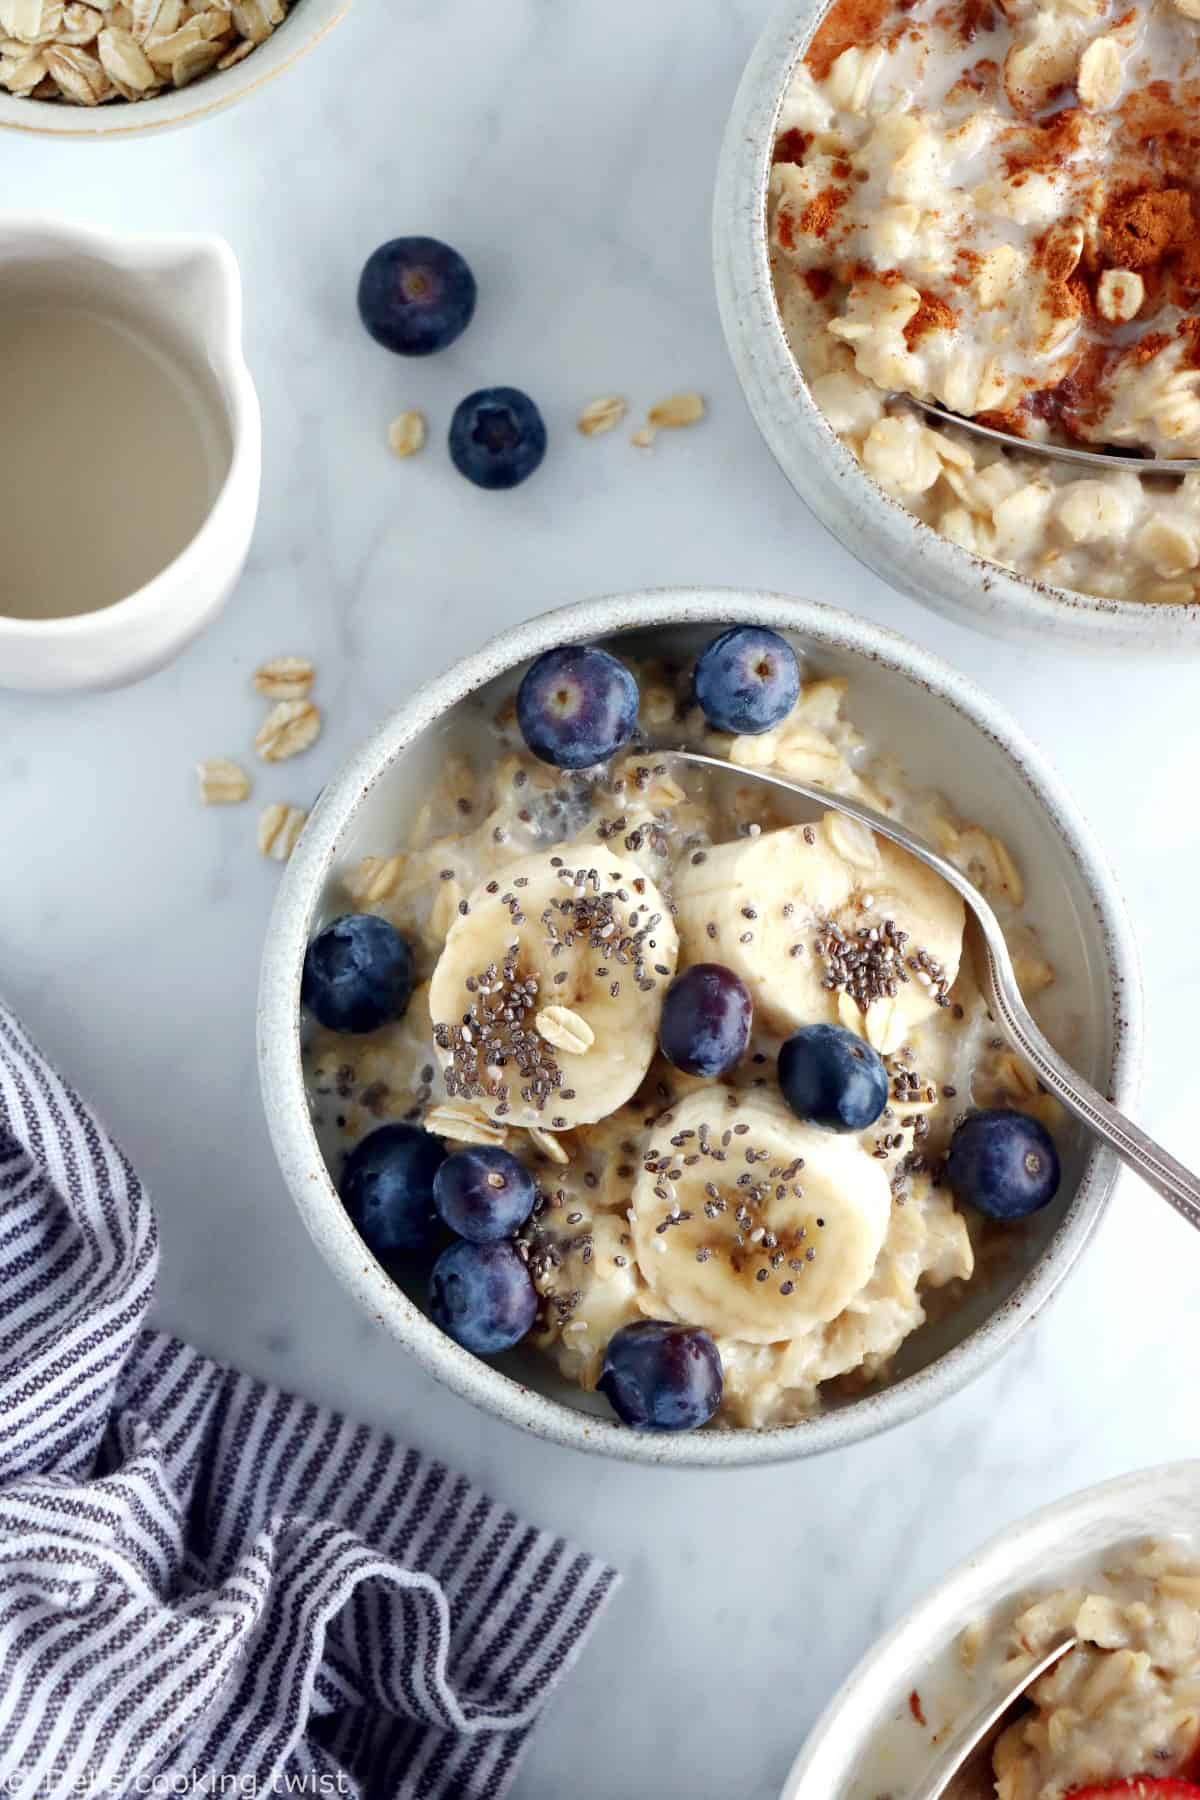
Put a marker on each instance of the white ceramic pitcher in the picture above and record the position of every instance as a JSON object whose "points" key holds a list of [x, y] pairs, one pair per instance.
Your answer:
{"points": [[183, 293]]}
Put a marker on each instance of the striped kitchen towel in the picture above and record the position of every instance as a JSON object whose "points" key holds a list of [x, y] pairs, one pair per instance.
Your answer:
{"points": [[210, 1587]]}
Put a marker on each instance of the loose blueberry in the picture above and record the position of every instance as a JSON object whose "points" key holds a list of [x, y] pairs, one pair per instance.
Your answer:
{"points": [[661, 1377], [416, 295], [830, 1077], [747, 680], [1003, 1163], [358, 974], [497, 437], [482, 1295], [577, 706], [387, 1189], [484, 1194], [705, 1022]]}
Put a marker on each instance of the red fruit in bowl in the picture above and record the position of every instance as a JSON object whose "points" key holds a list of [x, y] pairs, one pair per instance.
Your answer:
{"points": [[1140, 1787]]}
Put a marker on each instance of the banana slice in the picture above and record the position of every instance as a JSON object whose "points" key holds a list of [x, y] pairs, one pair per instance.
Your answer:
{"points": [[769, 1228], [547, 994], [763, 906]]}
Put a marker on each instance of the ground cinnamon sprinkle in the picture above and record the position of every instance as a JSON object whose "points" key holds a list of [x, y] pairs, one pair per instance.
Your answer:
{"points": [[933, 314], [1148, 347], [785, 229], [818, 282], [915, 1707], [820, 213], [791, 146], [977, 79], [1189, 330], [1044, 147], [1139, 229], [1185, 271], [847, 23]]}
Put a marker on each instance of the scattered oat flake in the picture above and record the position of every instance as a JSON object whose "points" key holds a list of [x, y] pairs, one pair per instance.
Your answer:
{"points": [[463, 1125], [290, 727], [644, 438], [279, 830], [406, 434], [222, 783], [549, 1145], [284, 678], [679, 410], [601, 415], [565, 1030]]}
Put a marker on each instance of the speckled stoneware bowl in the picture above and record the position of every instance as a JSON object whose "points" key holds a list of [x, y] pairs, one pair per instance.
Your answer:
{"points": [[867, 1742], [306, 24], [826, 475], [948, 735]]}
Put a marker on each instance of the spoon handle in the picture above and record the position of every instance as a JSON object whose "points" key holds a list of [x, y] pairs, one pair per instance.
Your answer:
{"points": [[958, 1749], [1156, 1166]]}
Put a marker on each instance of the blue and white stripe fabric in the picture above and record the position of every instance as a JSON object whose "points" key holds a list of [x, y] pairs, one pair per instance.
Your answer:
{"points": [[210, 1587]]}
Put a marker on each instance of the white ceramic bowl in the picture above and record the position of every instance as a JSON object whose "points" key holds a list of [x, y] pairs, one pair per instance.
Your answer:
{"points": [[305, 26], [866, 1742], [949, 735], [827, 476]]}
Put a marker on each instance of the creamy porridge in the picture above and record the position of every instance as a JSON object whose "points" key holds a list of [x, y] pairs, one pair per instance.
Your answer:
{"points": [[990, 206], [1126, 1703], [550, 913]]}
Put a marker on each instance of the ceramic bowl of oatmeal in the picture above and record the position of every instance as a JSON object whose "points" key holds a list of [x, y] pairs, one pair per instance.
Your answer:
{"points": [[79, 71], [1118, 1566], [529, 929], [988, 207]]}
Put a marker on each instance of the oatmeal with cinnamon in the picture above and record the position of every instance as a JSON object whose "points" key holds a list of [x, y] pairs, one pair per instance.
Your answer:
{"points": [[992, 207]]}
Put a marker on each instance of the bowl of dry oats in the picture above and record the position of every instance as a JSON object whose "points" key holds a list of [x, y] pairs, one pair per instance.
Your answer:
{"points": [[69, 68], [472, 960], [987, 209]]}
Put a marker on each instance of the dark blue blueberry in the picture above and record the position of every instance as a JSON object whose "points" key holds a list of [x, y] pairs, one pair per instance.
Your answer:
{"points": [[484, 1194], [747, 680], [832, 1078], [482, 1296], [705, 1023], [577, 706], [497, 437], [661, 1377], [416, 295], [387, 1189], [1003, 1163], [358, 974]]}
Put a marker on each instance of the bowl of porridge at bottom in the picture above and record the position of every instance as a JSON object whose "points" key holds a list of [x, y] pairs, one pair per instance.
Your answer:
{"points": [[140, 66], [994, 213], [626, 1101], [1118, 1719]]}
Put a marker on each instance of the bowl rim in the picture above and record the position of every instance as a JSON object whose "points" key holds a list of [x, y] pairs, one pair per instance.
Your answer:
{"points": [[166, 112], [895, 544], [848, 1722], [287, 1110]]}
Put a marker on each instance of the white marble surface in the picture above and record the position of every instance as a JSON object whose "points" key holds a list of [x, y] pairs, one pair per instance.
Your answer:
{"points": [[568, 150]]}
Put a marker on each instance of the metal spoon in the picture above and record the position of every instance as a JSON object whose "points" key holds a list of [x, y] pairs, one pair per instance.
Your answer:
{"points": [[1157, 1168], [1094, 459], [966, 1751]]}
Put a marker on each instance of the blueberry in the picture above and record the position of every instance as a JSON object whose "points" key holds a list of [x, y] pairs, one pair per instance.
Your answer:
{"points": [[830, 1077], [1003, 1163], [497, 437], [747, 680], [387, 1188], [484, 1194], [482, 1295], [577, 706], [416, 295], [358, 974], [661, 1377], [705, 1022]]}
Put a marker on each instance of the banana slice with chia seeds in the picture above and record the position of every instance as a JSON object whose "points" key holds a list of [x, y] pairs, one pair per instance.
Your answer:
{"points": [[811, 913], [751, 1223], [547, 993]]}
